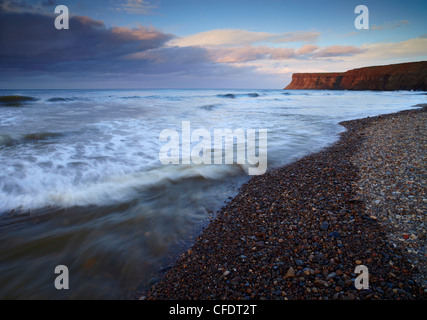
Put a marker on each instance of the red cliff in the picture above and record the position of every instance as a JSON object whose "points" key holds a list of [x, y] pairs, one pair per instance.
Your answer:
{"points": [[402, 76]]}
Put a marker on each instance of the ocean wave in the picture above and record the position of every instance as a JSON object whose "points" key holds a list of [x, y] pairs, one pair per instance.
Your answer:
{"points": [[41, 136], [234, 96], [133, 97], [7, 140], [287, 93], [15, 100], [152, 97], [59, 99], [63, 191], [227, 95], [209, 107], [62, 99]]}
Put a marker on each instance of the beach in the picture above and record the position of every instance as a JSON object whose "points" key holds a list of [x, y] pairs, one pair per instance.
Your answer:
{"points": [[164, 150], [299, 231], [82, 183]]}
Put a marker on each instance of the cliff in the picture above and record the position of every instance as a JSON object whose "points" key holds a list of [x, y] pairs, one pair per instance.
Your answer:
{"points": [[402, 76]]}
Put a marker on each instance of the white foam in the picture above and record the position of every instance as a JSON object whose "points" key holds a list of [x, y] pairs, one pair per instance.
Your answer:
{"points": [[111, 156], [95, 188]]}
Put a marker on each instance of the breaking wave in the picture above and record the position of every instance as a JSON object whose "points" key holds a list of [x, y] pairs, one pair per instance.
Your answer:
{"points": [[42, 189], [7, 140], [59, 99], [15, 100], [209, 107], [234, 96]]}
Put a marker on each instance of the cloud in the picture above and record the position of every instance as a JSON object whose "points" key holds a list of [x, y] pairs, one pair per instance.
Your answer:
{"points": [[34, 54], [172, 56], [29, 41], [142, 7], [411, 48], [220, 38], [389, 25], [232, 37], [307, 48], [32, 50], [337, 51], [249, 53], [240, 46], [140, 33], [253, 53], [373, 54], [21, 6], [49, 3], [298, 36], [16, 6]]}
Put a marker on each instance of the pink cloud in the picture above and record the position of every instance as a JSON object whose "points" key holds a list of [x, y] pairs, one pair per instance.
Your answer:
{"points": [[140, 33], [337, 51], [298, 36], [232, 37], [305, 49], [252, 53], [249, 53]]}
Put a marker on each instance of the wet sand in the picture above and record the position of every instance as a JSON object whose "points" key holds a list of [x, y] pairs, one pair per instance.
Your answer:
{"points": [[298, 232]]}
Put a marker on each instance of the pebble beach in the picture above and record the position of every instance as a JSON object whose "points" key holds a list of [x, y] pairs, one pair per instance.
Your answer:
{"points": [[299, 231]]}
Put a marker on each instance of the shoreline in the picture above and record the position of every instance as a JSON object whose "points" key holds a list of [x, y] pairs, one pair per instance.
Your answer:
{"points": [[298, 232]]}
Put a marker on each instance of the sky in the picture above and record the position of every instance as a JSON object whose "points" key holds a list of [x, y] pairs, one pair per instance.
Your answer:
{"points": [[131, 44]]}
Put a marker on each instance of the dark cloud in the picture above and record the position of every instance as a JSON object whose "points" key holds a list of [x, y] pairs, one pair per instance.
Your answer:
{"points": [[30, 41], [33, 53], [172, 55], [21, 6], [15, 6], [48, 3]]}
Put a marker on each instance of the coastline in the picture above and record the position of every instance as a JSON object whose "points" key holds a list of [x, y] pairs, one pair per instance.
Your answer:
{"points": [[298, 232]]}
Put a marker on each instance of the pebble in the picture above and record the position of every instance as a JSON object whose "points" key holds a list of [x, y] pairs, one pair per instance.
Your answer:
{"points": [[331, 276], [308, 271], [397, 147], [299, 262], [349, 296], [290, 273], [335, 234], [259, 243], [324, 226], [272, 221]]}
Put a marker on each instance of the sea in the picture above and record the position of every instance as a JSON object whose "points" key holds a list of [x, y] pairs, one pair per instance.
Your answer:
{"points": [[82, 184]]}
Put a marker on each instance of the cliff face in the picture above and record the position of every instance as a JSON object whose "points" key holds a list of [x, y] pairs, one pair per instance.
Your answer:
{"points": [[403, 76]]}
